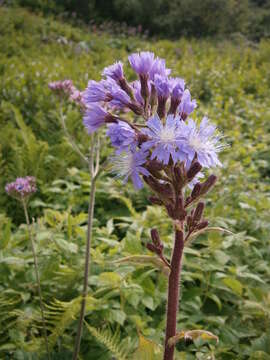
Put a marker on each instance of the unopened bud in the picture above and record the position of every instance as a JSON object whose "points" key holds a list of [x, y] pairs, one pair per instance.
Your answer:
{"points": [[202, 225], [144, 87], [178, 174], [194, 169], [155, 237], [153, 97], [196, 191], [161, 110], [208, 184], [189, 221], [198, 212], [151, 247]]}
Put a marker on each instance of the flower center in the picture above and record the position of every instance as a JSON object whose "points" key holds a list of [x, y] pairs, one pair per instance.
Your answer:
{"points": [[196, 143], [167, 135]]}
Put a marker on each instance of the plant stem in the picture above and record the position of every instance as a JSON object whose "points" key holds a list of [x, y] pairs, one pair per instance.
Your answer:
{"points": [[173, 293], [94, 173], [37, 277]]}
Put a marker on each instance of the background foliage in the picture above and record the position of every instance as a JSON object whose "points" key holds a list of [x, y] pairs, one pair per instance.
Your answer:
{"points": [[225, 286], [168, 17]]}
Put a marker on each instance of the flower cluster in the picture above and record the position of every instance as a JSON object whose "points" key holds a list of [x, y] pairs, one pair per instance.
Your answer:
{"points": [[22, 188], [166, 136], [67, 88]]}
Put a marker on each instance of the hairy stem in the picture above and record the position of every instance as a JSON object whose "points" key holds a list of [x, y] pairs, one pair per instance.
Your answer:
{"points": [[93, 169], [173, 293], [37, 277]]}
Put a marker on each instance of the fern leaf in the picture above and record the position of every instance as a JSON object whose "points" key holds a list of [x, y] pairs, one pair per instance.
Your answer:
{"points": [[109, 340]]}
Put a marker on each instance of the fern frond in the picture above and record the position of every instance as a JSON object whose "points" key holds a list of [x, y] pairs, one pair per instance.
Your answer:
{"points": [[59, 315], [109, 340]]}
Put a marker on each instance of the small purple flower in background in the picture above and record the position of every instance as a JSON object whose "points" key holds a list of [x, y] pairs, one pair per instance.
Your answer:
{"points": [[142, 62], [114, 71], [64, 86], [122, 136], [187, 105], [200, 141], [95, 116], [164, 139], [67, 88], [22, 188], [129, 165]]}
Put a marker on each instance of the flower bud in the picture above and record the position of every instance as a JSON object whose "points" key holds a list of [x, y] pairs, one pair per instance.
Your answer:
{"points": [[194, 169], [151, 247], [196, 191], [198, 212], [202, 225], [155, 237], [208, 184]]}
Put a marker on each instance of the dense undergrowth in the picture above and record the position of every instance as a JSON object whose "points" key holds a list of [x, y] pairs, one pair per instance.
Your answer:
{"points": [[225, 287]]}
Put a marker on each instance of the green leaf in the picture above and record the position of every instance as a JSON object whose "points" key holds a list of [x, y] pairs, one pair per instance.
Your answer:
{"points": [[145, 260], [234, 285], [147, 350]]}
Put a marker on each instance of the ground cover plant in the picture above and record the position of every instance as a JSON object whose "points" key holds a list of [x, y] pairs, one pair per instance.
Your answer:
{"points": [[225, 278]]}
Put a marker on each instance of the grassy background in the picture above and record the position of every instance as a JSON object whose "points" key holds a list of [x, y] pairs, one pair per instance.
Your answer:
{"points": [[225, 287]]}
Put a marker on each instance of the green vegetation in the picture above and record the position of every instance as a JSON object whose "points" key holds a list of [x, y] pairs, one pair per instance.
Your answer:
{"points": [[225, 287], [167, 18]]}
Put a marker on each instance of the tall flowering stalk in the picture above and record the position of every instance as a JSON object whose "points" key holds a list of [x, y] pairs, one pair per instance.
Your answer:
{"points": [[161, 147], [21, 190]]}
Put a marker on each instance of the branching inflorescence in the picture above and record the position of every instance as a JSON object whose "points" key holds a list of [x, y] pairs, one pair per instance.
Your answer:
{"points": [[162, 147], [156, 143]]}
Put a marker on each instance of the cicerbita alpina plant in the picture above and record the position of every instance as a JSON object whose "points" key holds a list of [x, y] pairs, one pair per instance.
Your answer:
{"points": [[161, 147], [22, 189]]}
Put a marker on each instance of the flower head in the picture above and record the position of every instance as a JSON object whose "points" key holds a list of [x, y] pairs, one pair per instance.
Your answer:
{"points": [[120, 98], [64, 86], [187, 105], [159, 68], [95, 116], [122, 136], [130, 165], [96, 91], [114, 71], [142, 62], [164, 139], [162, 86], [200, 141], [177, 86], [22, 188]]}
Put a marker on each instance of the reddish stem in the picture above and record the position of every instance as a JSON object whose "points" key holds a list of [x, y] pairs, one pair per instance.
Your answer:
{"points": [[173, 293]]}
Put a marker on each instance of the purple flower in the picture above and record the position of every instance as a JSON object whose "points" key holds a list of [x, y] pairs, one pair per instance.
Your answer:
{"points": [[159, 68], [64, 86], [95, 116], [177, 86], [201, 141], [114, 71], [162, 86], [122, 136], [187, 105], [120, 98], [129, 165], [22, 188], [142, 62], [164, 139], [96, 91]]}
